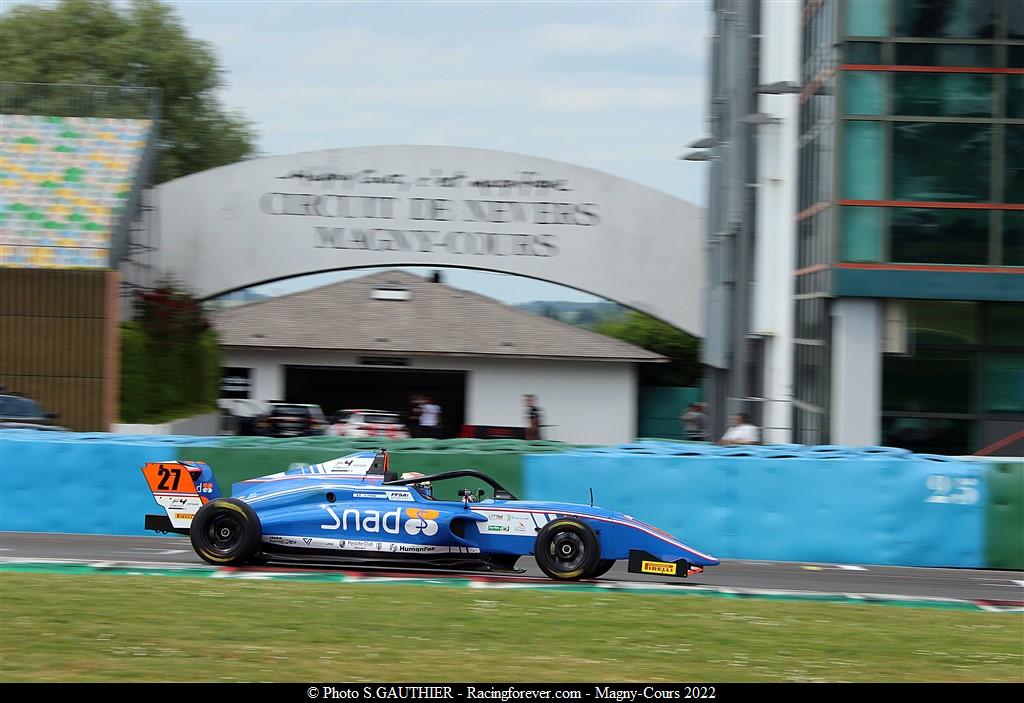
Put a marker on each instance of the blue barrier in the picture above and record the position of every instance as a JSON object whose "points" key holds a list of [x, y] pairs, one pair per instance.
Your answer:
{"points": [[865, 509], [88, 487]]}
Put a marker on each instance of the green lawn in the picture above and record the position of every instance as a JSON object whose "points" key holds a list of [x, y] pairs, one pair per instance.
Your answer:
{"points": [[157, 628]]}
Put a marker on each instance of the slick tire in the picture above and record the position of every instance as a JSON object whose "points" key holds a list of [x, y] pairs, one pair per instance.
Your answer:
{"points": [[601, 568], [226, 532], [567, 550]]}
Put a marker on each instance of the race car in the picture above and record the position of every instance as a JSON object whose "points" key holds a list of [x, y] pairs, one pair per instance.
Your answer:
{"points": [[353, 510]]}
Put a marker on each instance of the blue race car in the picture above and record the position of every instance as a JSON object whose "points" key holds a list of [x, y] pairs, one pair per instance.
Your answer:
{"points": [[353, 510]]}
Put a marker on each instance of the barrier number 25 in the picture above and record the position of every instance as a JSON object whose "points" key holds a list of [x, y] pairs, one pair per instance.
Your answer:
{"points": [[949, 489]]}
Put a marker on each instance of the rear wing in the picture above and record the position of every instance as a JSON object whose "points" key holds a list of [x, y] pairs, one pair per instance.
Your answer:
{"points": [[180, 488]]}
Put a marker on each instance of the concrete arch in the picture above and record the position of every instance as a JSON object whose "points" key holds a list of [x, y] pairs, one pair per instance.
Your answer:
{"points": [[278, 217]]}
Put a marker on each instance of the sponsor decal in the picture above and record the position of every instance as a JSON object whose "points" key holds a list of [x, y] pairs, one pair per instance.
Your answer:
{"points": [[421, 521], [368, 495], [416, 548], [283, 541], [359, 545], [184, 516], [404, 496], [417, 521], [507, 523], [307, 540], [204, 487], [658, 567]]}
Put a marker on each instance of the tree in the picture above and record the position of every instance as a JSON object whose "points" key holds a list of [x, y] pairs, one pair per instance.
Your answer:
{"points": [[142, 45], [653, 335]]}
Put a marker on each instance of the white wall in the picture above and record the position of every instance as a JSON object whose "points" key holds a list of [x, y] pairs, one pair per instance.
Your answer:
{"points": [[857, 326], [775, 253], [587, 402]]}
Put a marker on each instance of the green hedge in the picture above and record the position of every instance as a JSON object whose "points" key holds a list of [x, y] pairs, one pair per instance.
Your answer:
{"points": [[164, 379]]}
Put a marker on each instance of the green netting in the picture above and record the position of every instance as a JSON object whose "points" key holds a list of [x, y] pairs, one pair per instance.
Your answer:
{"points": [[1004, 517]]}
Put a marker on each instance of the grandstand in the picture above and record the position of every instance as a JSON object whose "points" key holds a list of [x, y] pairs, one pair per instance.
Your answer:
{"points": [[65, 183], [74, 160]]}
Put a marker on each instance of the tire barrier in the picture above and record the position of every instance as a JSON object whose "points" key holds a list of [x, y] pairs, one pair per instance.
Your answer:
{"points": [[872, 505], [1004, 523], [848, 507]]}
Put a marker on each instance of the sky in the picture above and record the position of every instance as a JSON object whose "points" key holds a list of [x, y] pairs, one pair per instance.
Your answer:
{"points": [[615, 86]]}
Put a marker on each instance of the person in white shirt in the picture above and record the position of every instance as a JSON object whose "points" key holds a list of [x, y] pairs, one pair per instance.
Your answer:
{"points": [[741, 431], [430, 418]]}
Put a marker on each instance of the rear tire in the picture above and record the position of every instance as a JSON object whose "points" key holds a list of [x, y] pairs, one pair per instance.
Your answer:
{"points": [[601, 569], [567, 550], [226, 532]]}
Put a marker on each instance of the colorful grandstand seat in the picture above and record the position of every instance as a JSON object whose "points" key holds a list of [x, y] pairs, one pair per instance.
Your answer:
{"points": [[64, 182]]}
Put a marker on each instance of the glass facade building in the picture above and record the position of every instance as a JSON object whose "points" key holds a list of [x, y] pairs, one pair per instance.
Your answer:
{"points": [[911, 199]]}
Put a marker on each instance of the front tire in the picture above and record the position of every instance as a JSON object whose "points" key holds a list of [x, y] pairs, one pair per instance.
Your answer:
{"points": [[567, 550], [226, 532]]}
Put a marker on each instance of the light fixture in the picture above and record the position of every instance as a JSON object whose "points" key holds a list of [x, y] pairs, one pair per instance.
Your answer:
{"points": [[759, 118], [779, 88], [705, 143], [696, 156]]}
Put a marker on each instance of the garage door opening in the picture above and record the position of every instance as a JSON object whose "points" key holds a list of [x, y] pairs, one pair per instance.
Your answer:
{"points": [[343, 388]]}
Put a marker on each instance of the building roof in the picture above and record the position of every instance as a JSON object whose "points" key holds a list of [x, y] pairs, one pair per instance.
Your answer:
{"points": [[368, 314]]}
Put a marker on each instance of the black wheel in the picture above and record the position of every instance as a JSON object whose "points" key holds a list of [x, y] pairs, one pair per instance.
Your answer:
{"points": [[225, 532], [601, 569], [567, 550]]}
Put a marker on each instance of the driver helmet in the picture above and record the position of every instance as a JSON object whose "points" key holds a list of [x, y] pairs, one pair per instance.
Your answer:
{"points": [[423, 487]]}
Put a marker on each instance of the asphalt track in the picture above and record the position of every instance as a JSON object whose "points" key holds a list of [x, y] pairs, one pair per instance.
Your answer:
{"points": [[988, 586]]}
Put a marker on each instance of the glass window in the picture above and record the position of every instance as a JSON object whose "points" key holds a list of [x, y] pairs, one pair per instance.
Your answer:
{"points": [[866, 18], [1003, 383], [1015, 56], [924, 236], [960, 19], [941, 161], [1013, 238], [945, 95], [1015, 96], [863, 161], [862, 234], [864, 52], [1013, 148], [943, 322], [928, 435], [928, 381], [1004, 324], [1014, 19], [865, 92], [944, 55]]}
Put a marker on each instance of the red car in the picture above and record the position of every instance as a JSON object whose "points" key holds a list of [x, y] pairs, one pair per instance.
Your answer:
{"points": [[369, 423]]}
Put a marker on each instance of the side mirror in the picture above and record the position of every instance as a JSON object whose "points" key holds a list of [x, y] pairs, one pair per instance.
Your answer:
{"points": [[465, 494], [480, 493]]}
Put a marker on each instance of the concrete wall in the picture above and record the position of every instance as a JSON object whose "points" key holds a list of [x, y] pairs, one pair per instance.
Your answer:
{"points": [[857, 325], [585, 402]]}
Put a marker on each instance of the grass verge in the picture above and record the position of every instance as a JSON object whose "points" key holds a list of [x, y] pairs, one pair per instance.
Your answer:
{"points": [[155, 628]]}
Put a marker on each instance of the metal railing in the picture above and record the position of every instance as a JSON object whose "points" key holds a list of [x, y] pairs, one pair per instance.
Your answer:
{"points": [[76, 100]]}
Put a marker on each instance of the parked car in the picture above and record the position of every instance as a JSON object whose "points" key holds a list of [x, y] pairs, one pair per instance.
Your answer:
{"points": [[353, 510], [291, 420], [18, 411], [368, 423], [241, 414]]}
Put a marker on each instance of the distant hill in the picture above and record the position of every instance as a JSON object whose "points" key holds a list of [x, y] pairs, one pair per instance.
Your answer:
{"points": [[584, 314]]}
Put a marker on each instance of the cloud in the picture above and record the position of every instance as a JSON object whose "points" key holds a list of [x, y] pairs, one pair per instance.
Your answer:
{"points": [[613, 86]]}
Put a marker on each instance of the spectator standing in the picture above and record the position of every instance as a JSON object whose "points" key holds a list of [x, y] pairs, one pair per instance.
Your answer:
{"points": [[695, 422], [416, 409], [533, 417], [430, 418], [741, 431]]}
